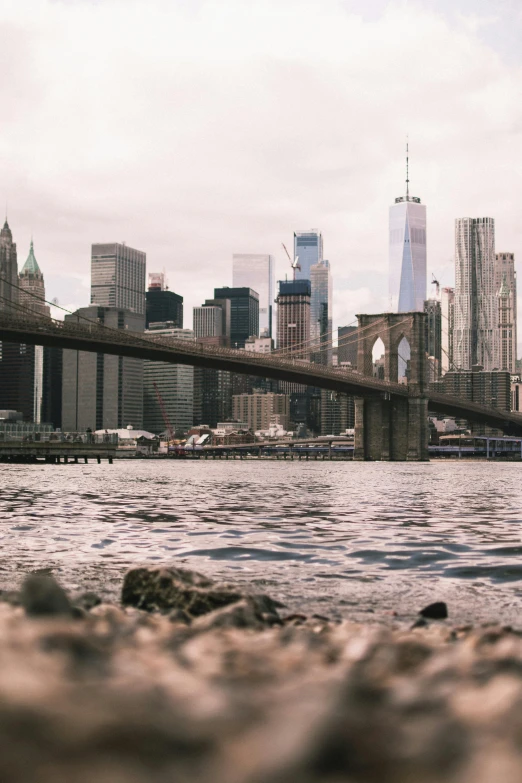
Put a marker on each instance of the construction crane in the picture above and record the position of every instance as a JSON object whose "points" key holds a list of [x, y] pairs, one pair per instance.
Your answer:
{"points": [[295, 263], [164, 414], [436, 283]]}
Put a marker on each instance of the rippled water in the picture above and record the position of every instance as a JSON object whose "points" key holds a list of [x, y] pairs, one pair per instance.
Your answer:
{"points": [[357, 539]]}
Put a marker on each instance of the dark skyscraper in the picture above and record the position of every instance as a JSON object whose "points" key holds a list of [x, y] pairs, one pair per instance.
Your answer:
{"points": [[8, 271], [293, 317], [244, 313]]}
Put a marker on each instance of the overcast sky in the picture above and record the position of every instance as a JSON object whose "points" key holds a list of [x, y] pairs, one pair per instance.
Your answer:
{"points": [[193, 130]]}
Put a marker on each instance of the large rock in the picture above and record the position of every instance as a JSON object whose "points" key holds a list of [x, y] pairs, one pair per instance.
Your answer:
{"points": [[166, 589], [42, 596]]}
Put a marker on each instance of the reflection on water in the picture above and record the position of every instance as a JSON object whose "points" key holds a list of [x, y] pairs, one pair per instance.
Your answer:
{"points": [[374, 537]]}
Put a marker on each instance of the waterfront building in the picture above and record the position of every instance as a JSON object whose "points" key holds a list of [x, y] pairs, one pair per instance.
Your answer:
{"points": [[161, 304], [261, 410], [337, 412], [486, 387], [293, 317], [506, 280], [118, 277], [407, 252], [475, 335], [175, 384], [256, 271], [321, 299], [347, 345], [244, 313], [308, 247], [433, 337], [447, 314], [102, 391]]}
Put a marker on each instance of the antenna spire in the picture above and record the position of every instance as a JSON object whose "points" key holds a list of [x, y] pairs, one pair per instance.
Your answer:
{"points": [[407, 171]]}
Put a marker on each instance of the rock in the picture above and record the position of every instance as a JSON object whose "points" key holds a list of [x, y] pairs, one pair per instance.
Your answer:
{"points": [[166, 589], [42, 596], [435, 611], [243, 614], [87, 601]]}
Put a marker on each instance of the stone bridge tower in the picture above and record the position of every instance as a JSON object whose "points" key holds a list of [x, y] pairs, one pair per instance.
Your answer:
{"points": [[393, 428]]}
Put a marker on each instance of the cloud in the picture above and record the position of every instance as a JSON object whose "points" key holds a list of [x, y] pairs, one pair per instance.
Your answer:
{"points": [[196, 130]]}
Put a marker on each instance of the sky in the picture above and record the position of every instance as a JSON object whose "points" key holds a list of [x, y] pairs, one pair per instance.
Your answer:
{"points": [[195, 129]]}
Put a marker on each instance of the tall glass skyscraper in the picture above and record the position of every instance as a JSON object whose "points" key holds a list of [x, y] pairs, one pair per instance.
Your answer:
{"points": [[256, 271], [407, 253], [308, 246], [321, 312]]}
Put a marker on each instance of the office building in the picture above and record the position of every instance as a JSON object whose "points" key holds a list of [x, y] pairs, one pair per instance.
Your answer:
{"points": [[259, 344], [102, 391], [173, 382], [244, 313], [162, 305], [261, 410], [337, 412], [293, 318], [207, 321], [321, 299], [8, 271], [118, 277], [256, 271], [491, 388], [506, 278], [447, 315], [407, 253], [433, 337], [475, 334], [212, 388], [308, 248], [347, 345]]}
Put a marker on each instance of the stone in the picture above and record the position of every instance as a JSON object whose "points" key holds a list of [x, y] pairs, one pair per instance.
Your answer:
{"points": [[435, 611], [243, 614], [167, 589], [87, 600], [42, 596]]}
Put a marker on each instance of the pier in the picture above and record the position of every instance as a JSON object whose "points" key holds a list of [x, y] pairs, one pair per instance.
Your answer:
{"points": [[59, 448]]}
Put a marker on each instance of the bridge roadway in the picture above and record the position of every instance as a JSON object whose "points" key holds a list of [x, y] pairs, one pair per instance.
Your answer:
{"points": [[88, 336]]}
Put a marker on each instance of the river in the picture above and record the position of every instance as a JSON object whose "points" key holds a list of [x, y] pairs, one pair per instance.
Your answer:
{"points": [[361, 540]]}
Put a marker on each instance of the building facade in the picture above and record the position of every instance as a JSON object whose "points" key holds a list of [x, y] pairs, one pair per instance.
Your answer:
{"points": [[506, 278], [261, 410], [293, 317], [102, 391], [447, 314], [207, 321], [433, 337], [321, 299], [161, 304], [491, 388], [175, 385], [8, 271], [347, 343], [308, 248], [407, 254], [244, 313], [118, 277], [475, 334], [256, 271]]}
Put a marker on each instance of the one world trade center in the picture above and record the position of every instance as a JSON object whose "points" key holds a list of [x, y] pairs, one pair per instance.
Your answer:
{"points": [[407, 254]]}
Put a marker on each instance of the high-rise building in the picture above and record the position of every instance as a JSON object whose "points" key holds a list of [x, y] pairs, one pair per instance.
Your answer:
{"points": [[102, 391], [256, 271], [347, 345], [433, 336], [475, 334], [244, 313], [175, 384], [8, 271], [207, 321], [118, 277], [490, 388], [293, 317], [321, 312], [261, 410], [308, 247], [447, 315], [506, 278], [407, 252], [337, 412], [162, 305]]}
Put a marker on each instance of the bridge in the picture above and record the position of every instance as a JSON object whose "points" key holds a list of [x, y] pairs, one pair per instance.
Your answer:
{"points": [[382, 400]]}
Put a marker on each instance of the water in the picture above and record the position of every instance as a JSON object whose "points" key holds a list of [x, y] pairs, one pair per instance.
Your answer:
{"points": [[358, 540]]}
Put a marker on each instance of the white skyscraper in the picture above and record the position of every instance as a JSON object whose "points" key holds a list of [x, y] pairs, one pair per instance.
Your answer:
{"points": [[407, 253], [256, 271], [476, 333]]}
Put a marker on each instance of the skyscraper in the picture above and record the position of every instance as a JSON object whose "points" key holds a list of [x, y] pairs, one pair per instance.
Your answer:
{"points": [[293, 317], [8, 271], [433, 337], [506, 278], [208, 321], [118, 277], [321, 312], [244, 313], [447, 314], [162, 305], [256, 271], [308, 246], [407, 252], [476, 335]]}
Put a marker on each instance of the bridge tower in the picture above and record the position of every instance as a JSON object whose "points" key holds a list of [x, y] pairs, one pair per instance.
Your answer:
{"points": [[393, 428]]}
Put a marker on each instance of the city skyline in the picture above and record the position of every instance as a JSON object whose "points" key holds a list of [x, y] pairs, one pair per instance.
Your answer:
{"points": [[247, 183]]}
